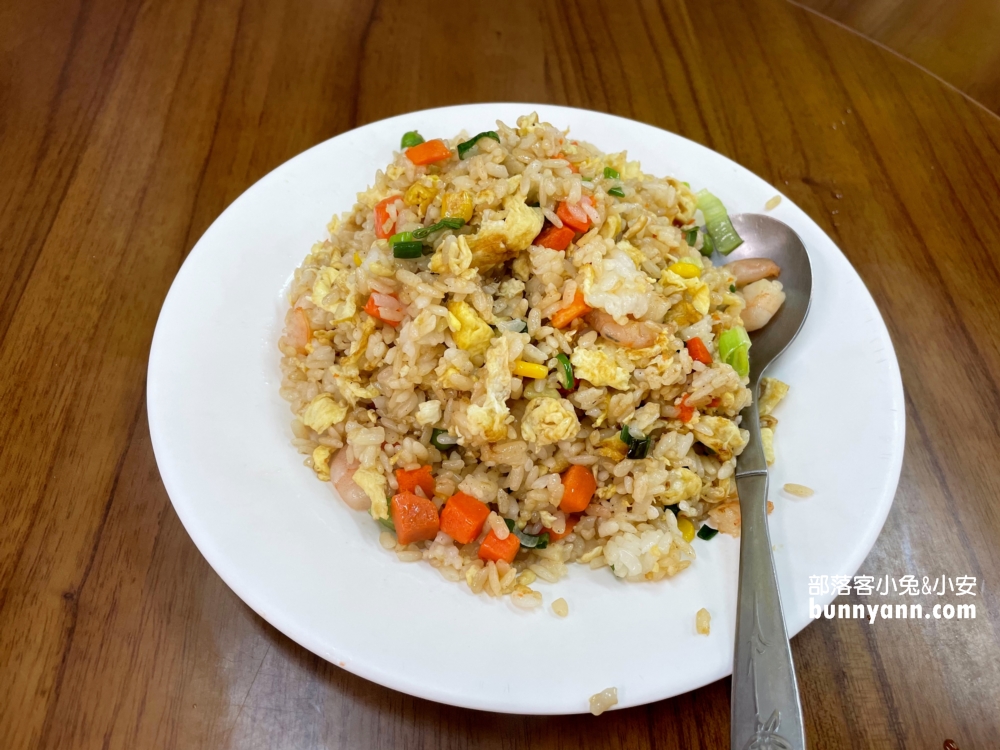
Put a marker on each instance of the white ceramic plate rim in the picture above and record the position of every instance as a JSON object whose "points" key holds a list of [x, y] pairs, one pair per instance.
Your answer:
{"points": [[175, 429]]}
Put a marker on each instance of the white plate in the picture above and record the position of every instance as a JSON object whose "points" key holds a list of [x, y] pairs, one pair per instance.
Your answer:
{"points": [[314, 569]]}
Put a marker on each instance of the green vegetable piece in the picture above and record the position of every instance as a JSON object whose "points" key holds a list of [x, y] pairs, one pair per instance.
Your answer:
{"points": [[691, 237], [707, 245], [464, 147], [707, 532], [566, 367], [408, 250], [639, 448], [441, 440], [717, 222], [732, 288], [675, 508], [448, 223], [625, 437], [400, 237], [734, 346], [413, 138], [611, 174], [617, 192], [528, 541]]}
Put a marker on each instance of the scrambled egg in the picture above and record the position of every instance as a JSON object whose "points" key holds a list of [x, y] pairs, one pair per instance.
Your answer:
{"points": [[599, 368], [767, 442], [332, 291], [452, 257], [321, 462], [428, 413], [612, 226], [719, 434], [499, 240], [772, 391], [697, 292], [682, 484], [616, 286], [549, 420], [358, 347], [375, 486], [348, 382], [489, 420], [470, 332], [323, 412], [421, 195]]}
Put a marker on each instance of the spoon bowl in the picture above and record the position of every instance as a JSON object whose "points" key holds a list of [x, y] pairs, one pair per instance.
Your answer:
{"points": [[764, 237]]}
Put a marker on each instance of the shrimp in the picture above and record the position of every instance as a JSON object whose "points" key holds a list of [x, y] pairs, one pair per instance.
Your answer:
{"points": [[727, 518], [636, 334], [763, 299], [299, 331], [342, 476], [749, 270]]}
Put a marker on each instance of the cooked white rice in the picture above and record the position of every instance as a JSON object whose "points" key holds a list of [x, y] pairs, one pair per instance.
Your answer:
{"points": [[367, 395]]}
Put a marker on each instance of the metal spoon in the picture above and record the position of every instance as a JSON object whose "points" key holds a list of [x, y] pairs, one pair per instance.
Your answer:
{"points": [[766, 711]]}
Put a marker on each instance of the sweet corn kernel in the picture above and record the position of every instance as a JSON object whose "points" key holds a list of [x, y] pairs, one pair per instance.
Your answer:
{"points": [[686, 529], [357, 259], [530, 370], [685, 269]]}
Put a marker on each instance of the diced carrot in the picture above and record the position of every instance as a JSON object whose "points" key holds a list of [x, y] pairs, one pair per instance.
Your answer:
{"points": [[714, 402], [463, 516], [698, 351], [579, 486], [299, 330], [555, 238], [372, 309], [571, 521], [575, 309], [428, 152], [686, 410], [496, 549], [414, 517], [382, 217], [409, 480], [573, 215]]}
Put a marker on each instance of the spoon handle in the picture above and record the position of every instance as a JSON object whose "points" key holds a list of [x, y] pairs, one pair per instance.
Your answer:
{"points": [[765, 702]]}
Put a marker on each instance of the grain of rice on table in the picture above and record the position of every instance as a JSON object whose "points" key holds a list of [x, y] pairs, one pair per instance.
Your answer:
{"points": [[553, 257]]}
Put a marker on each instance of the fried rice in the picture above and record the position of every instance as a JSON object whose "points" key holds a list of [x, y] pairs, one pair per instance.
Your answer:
{"points": [[449, 358]]}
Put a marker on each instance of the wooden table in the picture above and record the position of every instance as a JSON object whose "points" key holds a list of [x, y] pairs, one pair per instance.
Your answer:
{"points": [[126, 127]]}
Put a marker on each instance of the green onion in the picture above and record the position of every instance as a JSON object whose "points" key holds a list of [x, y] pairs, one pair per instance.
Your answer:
{"points": [[413, 138], [617, 192], [707, 245], [691, 236], [464, 147], [529, 541], [639, 448], [717, 222], [625, 437], [611, 174], [567, 371], [675, 508], [450, 222], [441, 440], [408, 250], [400, 237], [707, 532], [387, 523], [686, 184], [734, 346], [732, 288]]}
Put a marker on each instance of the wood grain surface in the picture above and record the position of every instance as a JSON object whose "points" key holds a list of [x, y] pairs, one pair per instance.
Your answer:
{"points": [[958, 40], [126, 127]]}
